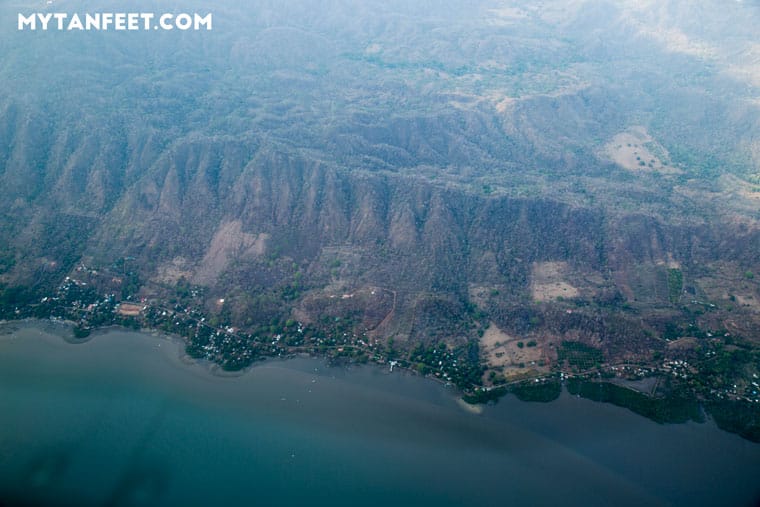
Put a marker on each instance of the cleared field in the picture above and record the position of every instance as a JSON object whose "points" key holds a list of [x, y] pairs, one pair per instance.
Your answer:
{"points": [[636, 150], [549, 281], [513, 356]]}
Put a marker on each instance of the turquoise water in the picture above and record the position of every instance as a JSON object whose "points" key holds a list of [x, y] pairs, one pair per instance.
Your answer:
{"points": [[123, 420]]}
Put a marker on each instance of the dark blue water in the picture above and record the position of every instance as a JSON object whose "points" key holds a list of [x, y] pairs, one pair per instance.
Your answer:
{"points": [[122, 420]]}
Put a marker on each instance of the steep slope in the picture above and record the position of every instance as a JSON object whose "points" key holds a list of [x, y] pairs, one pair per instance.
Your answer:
{"points": [[580, 171]]}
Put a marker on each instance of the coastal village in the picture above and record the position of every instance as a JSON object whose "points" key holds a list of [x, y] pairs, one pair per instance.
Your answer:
{"points": [[720, 371]]}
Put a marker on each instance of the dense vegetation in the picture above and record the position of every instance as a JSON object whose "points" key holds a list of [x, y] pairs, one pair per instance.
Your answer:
{"points": [[545, 391], [579, 356], [675, 408]]}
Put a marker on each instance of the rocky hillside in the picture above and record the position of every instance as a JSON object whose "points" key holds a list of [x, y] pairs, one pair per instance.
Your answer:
{"points": [[583, 171]]}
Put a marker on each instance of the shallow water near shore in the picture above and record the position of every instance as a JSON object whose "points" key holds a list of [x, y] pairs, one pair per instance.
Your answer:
{"points": [[122, 419]]}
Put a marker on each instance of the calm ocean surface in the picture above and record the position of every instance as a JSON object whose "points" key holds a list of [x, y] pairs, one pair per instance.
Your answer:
{"points": [[122, 420]]}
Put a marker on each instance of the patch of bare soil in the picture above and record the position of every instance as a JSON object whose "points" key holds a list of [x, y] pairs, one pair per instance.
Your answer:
{"points": [[686, 343], [171, 272], [636, 150], [129, 309], [549, 281], [514, 357], [229, 242]]}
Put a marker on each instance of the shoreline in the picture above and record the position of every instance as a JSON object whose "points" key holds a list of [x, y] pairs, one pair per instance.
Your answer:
{"points": [[62, 331], [192, 416], [57, 328]]}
